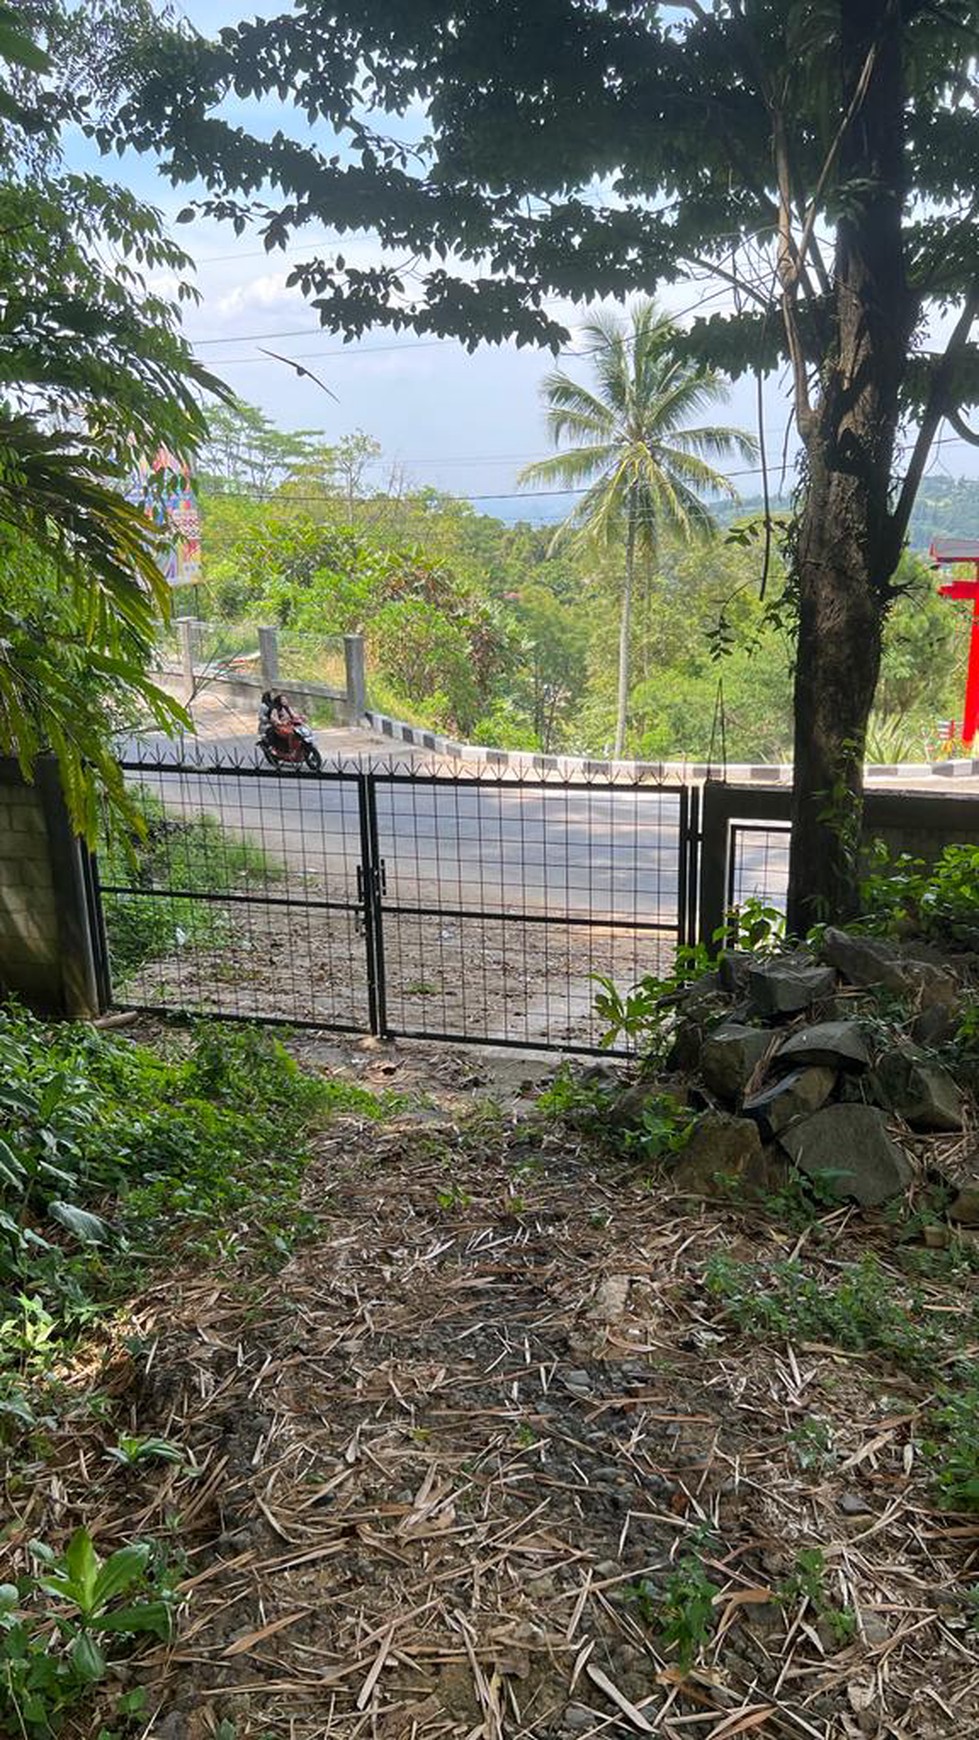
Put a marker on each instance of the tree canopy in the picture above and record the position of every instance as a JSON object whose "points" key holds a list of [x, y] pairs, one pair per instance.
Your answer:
{"points": [[94, 373]]}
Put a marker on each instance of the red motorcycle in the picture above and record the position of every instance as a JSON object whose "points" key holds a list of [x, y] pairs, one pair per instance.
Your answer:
{"points": [[292, 747]]}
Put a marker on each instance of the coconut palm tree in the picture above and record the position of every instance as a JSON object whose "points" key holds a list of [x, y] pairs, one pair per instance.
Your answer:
{"points": [[644, 469]]}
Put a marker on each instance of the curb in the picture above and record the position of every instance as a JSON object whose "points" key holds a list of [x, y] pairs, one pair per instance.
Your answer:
{"points": [[526, 761]]}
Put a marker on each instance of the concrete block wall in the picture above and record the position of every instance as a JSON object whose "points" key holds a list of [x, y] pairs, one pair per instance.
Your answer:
{"points": [[47, 951], [30, 951]]}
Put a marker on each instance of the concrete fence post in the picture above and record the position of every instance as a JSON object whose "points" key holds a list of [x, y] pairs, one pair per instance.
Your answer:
{"points": [[187, 627], [353, 653], [268, 650]]}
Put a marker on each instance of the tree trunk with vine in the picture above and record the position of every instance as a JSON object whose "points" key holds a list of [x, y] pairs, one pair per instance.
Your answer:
{"points": [[847, 541]]}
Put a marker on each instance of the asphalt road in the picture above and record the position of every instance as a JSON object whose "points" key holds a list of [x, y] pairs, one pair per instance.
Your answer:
{"points": [[604, 853]]}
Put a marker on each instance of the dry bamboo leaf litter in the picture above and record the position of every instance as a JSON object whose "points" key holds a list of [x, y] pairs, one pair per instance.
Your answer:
{"points": [[451, 1447]]}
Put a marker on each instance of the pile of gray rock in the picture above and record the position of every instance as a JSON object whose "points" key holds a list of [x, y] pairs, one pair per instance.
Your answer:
{"points": [[829, 1064]]}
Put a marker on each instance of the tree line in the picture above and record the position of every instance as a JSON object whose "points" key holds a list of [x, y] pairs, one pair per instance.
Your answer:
{"points": [[507, 635]]}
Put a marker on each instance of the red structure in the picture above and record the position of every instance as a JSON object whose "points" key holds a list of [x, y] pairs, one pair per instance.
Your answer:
{"points": [[948, 553]]}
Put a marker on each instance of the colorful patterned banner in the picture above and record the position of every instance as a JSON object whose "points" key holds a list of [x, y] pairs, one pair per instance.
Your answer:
{"points": [[163, 490]]}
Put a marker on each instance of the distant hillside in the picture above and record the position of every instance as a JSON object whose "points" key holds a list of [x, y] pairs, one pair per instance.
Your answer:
{"points": [[945, 508]]}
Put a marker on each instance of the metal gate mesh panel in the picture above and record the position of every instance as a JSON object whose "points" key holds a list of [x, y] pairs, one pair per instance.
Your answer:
{"points": [[758, 863], [501, 901], [242, 901], [394, 900]]}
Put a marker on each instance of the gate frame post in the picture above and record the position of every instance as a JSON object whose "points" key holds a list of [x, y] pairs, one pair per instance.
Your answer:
{"points": [[370, 882]]}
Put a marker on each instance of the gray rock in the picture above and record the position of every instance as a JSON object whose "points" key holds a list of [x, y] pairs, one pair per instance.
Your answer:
{"points": [[849, 1149], [720, 1148], [577, 1718], [795, 1096], [577, 1380], [853, 1504], [730, 1056], [688, 1042], [923, 1093], [871, 960], [627, 1108], [829, 1044], [786, 985], [733, 966], [935, 1025], [965, 1208], [863, 960]]}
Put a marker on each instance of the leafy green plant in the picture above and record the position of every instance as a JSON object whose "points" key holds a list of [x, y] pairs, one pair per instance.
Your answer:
{"points": [[131, 1450], [807, 1582], [861, 1309], [812, 1443], [904, 894], [754, 925], [953, 1451], [687, 1610], [808, 1579], [569, 1097], [52, 1651], [453, 1196], [664, 1128]]}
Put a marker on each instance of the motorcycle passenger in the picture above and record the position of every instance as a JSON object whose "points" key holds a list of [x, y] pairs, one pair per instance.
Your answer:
{"points": [[283, 719], [265, 714]]}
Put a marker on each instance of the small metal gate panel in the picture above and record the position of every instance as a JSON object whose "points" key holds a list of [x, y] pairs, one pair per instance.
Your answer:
{"points": [[396, 901], [500, 901]]}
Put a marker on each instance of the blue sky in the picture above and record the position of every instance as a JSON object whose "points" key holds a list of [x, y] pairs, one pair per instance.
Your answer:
{"points": [[465, 423]]}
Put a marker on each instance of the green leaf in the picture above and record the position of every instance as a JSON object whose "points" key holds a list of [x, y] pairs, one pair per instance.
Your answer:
{"points": [[118, 1572], [88, 1228], [153, 1616], [89, 1662], [82, 1564]]}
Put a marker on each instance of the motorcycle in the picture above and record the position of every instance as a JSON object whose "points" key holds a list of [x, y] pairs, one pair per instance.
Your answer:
{"points": [[296, 750]]}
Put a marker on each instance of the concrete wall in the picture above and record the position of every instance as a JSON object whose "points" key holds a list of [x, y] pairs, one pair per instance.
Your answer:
{"points": [[917, 822], [46, 948]]}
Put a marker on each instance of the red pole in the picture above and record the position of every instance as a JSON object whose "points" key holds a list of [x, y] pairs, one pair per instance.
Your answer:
{"points": [[970, 718]]}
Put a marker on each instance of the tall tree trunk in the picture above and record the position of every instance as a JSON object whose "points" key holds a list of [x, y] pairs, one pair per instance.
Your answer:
{"points": [[846, 545], [625, 626]]}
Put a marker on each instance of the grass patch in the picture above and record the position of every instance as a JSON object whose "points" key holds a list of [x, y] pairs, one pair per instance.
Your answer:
{"points": [[112, 1157], [193, 854], [864, 1311]]}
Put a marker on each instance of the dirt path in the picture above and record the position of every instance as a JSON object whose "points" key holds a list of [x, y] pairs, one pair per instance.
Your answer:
{"points": [[458, 1463]]}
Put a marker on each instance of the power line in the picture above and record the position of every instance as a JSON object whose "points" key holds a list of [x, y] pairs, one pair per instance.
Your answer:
{"points": [[509, 495]]}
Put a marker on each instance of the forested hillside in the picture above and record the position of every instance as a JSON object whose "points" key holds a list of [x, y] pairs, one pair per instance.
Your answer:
{"points": [[479, 628], [946, 507]]}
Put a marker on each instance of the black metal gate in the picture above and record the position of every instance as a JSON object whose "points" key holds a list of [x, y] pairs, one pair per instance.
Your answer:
{"points": [[396, 901]]}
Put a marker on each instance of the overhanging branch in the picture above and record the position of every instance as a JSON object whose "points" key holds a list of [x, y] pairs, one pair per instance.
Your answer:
{"points": [[939, 405]]}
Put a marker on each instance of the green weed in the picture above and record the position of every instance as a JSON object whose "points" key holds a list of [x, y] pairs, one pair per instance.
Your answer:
{"points": [[62, 1625], [860, 1310], [194, 854], [812, 1444]]}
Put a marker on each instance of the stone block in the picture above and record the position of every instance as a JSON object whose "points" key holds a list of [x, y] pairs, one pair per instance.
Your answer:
{"points": [[829, 1044], [795, 1096], [848, 1148], [786, 987], [920, 1090], [730, 1056]]}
